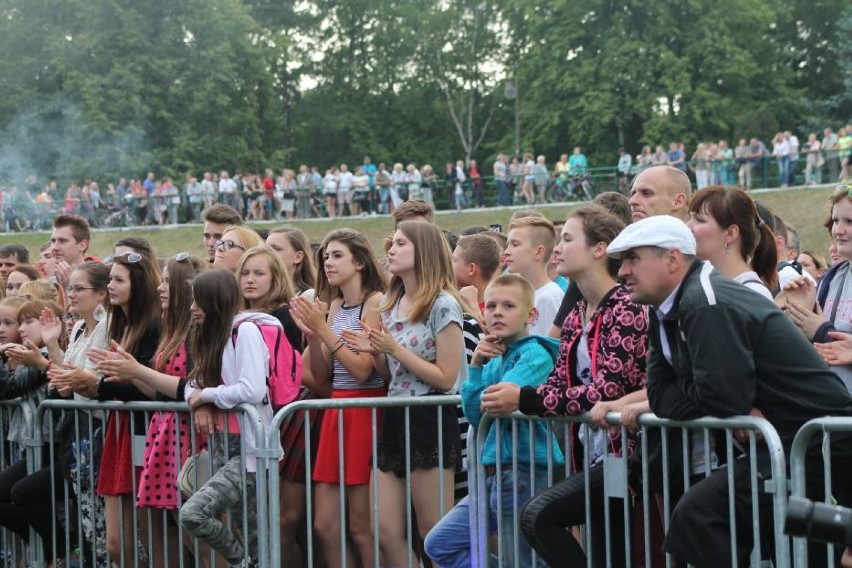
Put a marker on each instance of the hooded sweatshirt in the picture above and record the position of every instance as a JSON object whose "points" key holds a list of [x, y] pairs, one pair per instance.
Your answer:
{"points": [[245, 369], [527, 362]]}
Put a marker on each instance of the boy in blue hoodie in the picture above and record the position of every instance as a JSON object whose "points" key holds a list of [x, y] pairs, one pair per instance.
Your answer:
{"points": [[507, 354]]}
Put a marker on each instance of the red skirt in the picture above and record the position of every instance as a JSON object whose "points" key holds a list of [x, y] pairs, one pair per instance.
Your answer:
{"points": [[116, 473], [357, 441]]}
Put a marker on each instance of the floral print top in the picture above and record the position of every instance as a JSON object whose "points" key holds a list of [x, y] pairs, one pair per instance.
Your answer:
{"points": [[420, 339]]}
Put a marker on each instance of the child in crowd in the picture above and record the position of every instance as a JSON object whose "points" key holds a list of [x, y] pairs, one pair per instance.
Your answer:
{"points": [[475, 260], [20, 507], [530, 244], [600, 368], [228, 371], [507, 354], [351, 283], [419, 349]]}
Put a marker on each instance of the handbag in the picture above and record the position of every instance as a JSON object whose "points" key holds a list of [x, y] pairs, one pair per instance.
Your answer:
{"points": [[195, 472]]}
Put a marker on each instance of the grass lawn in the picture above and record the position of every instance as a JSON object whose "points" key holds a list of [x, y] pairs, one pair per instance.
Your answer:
{"points": [[804, 208]]}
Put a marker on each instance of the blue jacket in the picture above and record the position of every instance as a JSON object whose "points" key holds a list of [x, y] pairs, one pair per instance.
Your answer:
{"points": [[527, 362]]}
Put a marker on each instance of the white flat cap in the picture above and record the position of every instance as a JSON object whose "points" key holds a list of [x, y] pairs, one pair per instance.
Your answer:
{"points": [[663, 231]]}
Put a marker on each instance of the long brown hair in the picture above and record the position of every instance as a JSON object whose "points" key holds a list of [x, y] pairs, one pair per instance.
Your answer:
{"points": [[128, 326], [305, 273], [217, 295], [362, 254], [177, 319], [729, 205], [433, 268]]}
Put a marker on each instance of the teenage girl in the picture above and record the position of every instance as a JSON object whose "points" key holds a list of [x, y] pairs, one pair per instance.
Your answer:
{"points": [[351, 283], [419, 349], [133, 323], [20, 508], [234, 242], [265, 286], [227, 372], [167, 442], [294, 248]]}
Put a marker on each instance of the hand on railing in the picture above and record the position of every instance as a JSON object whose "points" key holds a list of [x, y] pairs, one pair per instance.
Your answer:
{"points": [[205, 419], [501, 399], [742, 434]]}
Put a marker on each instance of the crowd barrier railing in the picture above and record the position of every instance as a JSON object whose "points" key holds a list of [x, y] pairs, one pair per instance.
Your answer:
{"points": [[146, 535], [695, 464], [13, 550], [375, 406], [798, 456]]}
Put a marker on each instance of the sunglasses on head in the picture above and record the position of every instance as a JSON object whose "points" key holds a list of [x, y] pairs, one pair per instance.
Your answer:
{"points": [[180, 257], [131, 257], [843, 188]]}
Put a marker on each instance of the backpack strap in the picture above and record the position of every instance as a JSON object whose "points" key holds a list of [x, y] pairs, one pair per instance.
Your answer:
{"points": [[271, 357]]}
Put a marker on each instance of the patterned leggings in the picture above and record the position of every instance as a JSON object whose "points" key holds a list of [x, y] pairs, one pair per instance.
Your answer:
{"points": [[224, 492]]}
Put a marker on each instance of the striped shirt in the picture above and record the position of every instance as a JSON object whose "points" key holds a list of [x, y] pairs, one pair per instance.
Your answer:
{"points": [[349, 317]]}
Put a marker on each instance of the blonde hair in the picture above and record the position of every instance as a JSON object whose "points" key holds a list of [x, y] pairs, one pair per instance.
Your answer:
{"points": [[540, 230], [281, 289], [433, 269], [248, 237], [41, 290], [522, 285]]}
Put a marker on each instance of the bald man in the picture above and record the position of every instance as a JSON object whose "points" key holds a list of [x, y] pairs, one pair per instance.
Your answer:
{"points": [[660, 190]]}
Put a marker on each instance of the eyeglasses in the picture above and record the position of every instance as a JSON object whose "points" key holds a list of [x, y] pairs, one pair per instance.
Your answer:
{"points": [[76, 289], [131, 257], [227, 245], [180, 257]]}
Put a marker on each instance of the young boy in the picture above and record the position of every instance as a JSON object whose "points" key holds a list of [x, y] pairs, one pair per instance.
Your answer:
{"points": [[475, 260], [528, 249], [508, 354]]}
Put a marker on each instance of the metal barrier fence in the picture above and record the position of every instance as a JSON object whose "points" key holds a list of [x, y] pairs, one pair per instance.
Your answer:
{"points": [[13, 550], [139, 536], [440, 405], [798, 457], [616, 484]]}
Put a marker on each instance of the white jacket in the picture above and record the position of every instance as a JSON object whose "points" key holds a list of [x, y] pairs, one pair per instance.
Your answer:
{"points": [[245, 368]]}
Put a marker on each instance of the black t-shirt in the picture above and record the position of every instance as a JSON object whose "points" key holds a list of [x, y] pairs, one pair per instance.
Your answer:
{"points": [[291, 330], [572, 296]]}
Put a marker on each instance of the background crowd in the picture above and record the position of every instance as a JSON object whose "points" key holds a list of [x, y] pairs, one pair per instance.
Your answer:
{"points": [[426, 316], [378, 188]]}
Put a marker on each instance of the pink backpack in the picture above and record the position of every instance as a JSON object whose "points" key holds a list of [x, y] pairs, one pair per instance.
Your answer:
{"points": [[285, 365]]}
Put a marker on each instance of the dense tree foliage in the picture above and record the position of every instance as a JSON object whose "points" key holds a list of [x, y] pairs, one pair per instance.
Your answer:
{"points": [[109, 87]]}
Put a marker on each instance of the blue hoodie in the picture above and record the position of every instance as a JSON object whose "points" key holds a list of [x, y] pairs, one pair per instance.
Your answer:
{"points": [[527, 362]]}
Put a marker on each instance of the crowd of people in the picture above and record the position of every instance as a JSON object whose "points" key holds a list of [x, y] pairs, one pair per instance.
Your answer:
{"points": [[378, 189], [669, 301]]}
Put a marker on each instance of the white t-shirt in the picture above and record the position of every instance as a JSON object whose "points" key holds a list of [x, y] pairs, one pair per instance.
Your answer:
{"points": [[548, 298], [345, 181], [227, 186], [752, 281]]}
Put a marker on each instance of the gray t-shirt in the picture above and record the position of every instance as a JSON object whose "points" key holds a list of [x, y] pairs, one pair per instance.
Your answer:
{"points": [[842, 312], [420, 339]]}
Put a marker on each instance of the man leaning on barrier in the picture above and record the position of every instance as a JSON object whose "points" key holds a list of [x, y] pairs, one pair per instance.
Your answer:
{"points": [[720, 349]]}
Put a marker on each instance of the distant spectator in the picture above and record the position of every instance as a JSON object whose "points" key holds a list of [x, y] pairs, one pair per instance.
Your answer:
{"points": [[625, 162], [676, 157], [541, 178], [832, 159], [814, 161]]}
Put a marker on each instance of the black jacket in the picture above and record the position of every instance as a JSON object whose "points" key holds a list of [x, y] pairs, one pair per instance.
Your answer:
{"points": [[733, 350]]}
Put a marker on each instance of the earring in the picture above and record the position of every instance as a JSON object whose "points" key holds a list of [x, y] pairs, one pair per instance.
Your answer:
{"points": [[726, 247], [100, 313]]}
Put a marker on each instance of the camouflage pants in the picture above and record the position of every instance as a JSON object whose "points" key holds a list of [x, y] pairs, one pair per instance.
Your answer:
{"points": [[201, 514]]}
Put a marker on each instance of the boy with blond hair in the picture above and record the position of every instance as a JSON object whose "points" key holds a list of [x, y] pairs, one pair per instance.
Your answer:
{"points": [[508, 354], [528, 248]]}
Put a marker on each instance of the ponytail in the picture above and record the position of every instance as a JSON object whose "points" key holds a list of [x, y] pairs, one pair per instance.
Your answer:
{"points": [[764, 261]]}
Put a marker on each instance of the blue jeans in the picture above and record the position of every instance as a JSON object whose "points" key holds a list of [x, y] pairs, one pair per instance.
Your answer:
{"points": [[384, 197], [503, 193], [783, 169], [449, 542]]}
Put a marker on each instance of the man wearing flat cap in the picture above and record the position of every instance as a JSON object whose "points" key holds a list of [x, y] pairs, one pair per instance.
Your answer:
{"points": [[718, 349]]}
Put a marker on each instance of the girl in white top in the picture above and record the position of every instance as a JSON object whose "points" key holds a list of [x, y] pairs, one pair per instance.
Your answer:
{"points": [[228, 371], [731, 235]]}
